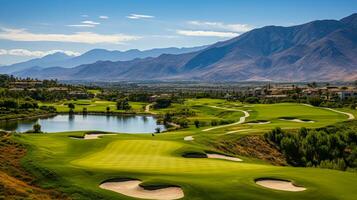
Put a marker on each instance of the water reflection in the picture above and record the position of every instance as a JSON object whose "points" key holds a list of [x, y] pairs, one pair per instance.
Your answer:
{"points": [[59, 123]]}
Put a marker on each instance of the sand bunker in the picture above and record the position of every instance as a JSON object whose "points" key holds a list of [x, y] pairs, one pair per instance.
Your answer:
{"points": [[258, 122], [220, 156], [279, 185], [237, 131], [188, 138], [132, 188], [210, 155], [91, 136], [297, 120]]}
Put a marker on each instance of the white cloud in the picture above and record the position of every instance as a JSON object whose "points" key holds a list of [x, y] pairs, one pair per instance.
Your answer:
{"points": [[78, 37], [29, 53], [90, 22], [206, 33], [239, 28], [85, 24], [84, 16], [103, 17], [3, 52], [81, 25], [138, 16]]}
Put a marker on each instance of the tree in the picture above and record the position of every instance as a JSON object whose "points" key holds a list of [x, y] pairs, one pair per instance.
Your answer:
{"points": [[315, 101], [85, 111], [252, 100], [197, 123], [71, 111], [9, 103], [108, 109], [312, 85], [290, 147], [162, 103], [157, 130], [36, 128], [71, 106], [123, 104]]}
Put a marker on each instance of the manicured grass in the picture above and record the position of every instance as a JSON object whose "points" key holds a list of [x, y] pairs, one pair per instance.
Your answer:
{"points": [[79, 166], [274, 113], [268, 112]]}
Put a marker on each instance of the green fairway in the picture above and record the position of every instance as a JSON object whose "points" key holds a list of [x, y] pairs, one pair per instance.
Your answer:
{"points": [[77, 167], [213, 109]]}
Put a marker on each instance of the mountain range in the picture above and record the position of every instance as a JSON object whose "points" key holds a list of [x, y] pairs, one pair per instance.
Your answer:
{"points": [[60, 59], [322, 50]]}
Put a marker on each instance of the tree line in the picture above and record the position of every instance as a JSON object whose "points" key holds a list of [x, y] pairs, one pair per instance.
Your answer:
{"points": [[333, 147]]}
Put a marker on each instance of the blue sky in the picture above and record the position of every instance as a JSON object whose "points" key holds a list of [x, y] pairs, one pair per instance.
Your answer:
{"points": [[35, 28]]}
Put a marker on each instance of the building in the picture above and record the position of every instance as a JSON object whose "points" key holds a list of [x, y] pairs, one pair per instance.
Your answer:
{"points": [[345, 94]]}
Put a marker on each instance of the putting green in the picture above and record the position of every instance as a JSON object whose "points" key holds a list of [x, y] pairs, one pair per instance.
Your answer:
{"points": [[155, 156]]}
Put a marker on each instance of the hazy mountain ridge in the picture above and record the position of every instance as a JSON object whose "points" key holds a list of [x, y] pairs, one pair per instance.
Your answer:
{"points": [[322, 50], [92, 56]]}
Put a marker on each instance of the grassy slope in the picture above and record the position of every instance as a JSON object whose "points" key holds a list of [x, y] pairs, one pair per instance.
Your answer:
{"points": [[84, 164], [78, 166]]}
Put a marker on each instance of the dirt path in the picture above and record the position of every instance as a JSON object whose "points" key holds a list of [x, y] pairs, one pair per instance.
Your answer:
{"points": [[241, 120], [350, 115], [147, 108]]}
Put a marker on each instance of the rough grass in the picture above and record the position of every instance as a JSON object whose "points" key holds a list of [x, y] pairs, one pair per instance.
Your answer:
{"points": [[15, 182]]}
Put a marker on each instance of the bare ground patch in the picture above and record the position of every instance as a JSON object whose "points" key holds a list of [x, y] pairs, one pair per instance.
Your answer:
{"points": [[15, 182], [251, 146]]}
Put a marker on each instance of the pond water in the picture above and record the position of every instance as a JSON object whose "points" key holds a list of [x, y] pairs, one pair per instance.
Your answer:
{"points": [[61, 123]]}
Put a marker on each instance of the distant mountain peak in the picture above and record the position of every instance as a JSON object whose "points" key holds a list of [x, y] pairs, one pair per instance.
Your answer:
{"points": [[350, 20]]}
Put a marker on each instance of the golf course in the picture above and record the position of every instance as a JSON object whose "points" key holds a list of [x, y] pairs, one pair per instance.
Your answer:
{"points": [[185, 163]]}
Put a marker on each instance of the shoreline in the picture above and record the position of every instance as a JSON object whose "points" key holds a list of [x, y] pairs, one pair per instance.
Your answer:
{"points": [[29, 117]]}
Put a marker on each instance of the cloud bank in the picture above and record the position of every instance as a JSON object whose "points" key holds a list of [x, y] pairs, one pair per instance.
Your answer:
{"points": [[29, 53], [206, 33], [239, 28], [214, 29], [78, 37]]}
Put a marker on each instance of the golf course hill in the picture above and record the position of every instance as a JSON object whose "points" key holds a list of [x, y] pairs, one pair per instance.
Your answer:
{"points": [[239, 156]]}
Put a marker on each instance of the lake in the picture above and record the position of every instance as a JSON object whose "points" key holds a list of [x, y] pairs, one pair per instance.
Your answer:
{"points": [[61, 123]]}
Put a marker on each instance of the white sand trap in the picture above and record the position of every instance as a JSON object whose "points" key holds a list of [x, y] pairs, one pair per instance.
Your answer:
{"points": [[298, 120], [257, 123], [94, 136], [219, 156], [133, 189], [91, 136], [279, 185], [237, 131], [188, 138]]}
